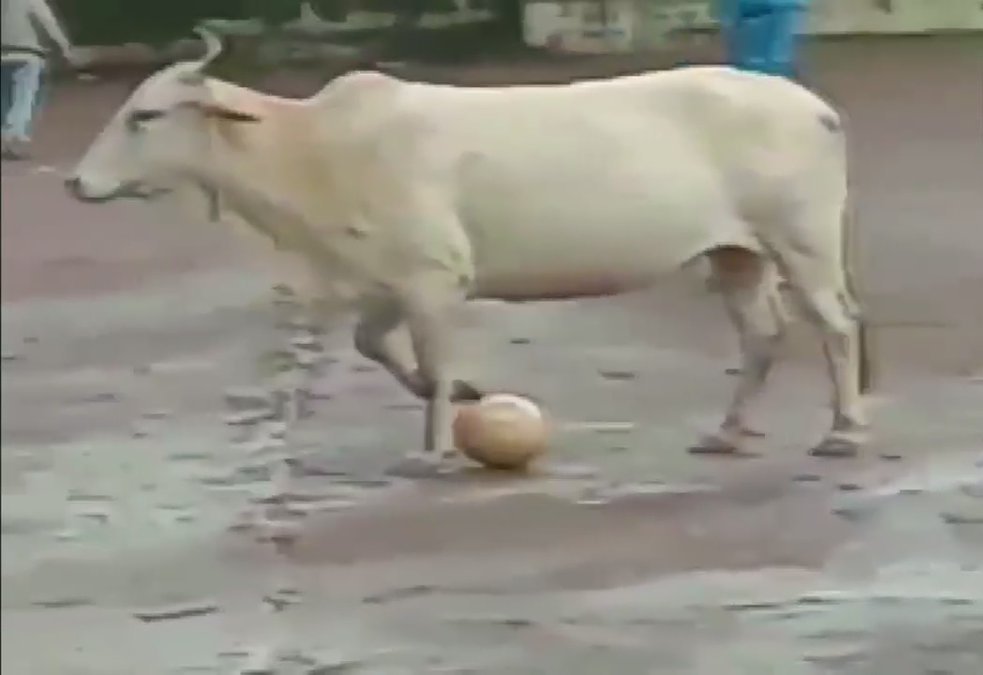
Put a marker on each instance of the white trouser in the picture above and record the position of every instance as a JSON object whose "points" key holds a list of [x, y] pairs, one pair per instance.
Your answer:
{"points": [[20, 85]]}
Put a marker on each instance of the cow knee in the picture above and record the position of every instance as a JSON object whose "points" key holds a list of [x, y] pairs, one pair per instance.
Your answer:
{"points": [[779, 314], [368, 342], [465, 392], [461, 392], [829, 311], [373, 328], [756, 313]]}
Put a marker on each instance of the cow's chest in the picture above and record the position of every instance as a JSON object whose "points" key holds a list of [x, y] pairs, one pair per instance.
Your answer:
{"points": [[339, 250]]}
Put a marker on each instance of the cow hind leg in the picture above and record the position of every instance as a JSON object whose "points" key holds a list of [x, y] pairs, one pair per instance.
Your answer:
{"points": [[819, 279], [831, 309], [747, 283], [775, 284]]}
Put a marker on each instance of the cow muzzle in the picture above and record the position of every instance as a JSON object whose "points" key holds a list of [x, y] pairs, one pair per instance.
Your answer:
{"points": [[79, 190]]}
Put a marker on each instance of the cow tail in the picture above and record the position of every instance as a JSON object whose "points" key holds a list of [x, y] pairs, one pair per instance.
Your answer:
{"points": [[865, 372], [849, 259]]}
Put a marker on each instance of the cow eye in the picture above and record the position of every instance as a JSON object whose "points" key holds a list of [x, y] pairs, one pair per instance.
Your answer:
{"points": [[138, 118]]}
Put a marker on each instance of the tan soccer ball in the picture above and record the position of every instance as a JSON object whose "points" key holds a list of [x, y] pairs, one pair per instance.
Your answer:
{"points": [[502, 431]]}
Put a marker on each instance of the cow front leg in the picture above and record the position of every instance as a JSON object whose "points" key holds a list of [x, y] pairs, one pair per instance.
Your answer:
{"points": [[429, 305], [749, 298], [382, 335], [427, 316]]}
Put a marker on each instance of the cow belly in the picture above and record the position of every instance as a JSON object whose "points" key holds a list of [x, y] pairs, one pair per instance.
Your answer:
{"points": [[567, 286], [601, 206], [538, 244]]}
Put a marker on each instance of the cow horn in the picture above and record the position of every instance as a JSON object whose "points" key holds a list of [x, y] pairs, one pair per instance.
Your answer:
{"points": [[213, 45]]}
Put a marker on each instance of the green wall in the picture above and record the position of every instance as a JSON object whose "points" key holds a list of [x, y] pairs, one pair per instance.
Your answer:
{"points": [[109, 22]]}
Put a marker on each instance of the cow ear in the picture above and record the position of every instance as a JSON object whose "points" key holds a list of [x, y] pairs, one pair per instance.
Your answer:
{"points": [[225, 113]]}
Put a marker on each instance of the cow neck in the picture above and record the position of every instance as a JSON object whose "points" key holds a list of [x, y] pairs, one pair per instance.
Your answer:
{"points": [[246, 167], [242, 155]]}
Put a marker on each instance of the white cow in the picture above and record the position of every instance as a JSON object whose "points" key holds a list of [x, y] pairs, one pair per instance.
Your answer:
{"points": [[416, 197]]}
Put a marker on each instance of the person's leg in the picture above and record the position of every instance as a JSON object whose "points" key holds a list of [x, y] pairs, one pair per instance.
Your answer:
{"points": [[40, 96], [750, 42], [7, 69], [728, 15], [784, 34], [25, 86], [766, 41]]}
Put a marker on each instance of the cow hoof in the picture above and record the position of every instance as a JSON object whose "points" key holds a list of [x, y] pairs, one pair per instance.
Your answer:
{"points": [[836, 446], [715, 445], [464, 392]]}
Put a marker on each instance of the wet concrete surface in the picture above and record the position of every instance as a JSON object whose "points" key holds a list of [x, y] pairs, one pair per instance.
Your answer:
{"points": [[140, 537]]}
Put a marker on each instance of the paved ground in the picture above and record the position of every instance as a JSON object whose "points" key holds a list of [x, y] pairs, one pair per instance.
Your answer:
{"points": [[130, 524]]}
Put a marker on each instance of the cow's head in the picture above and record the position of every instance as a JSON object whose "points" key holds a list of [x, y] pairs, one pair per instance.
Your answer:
{"points": [[160, 133]]}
